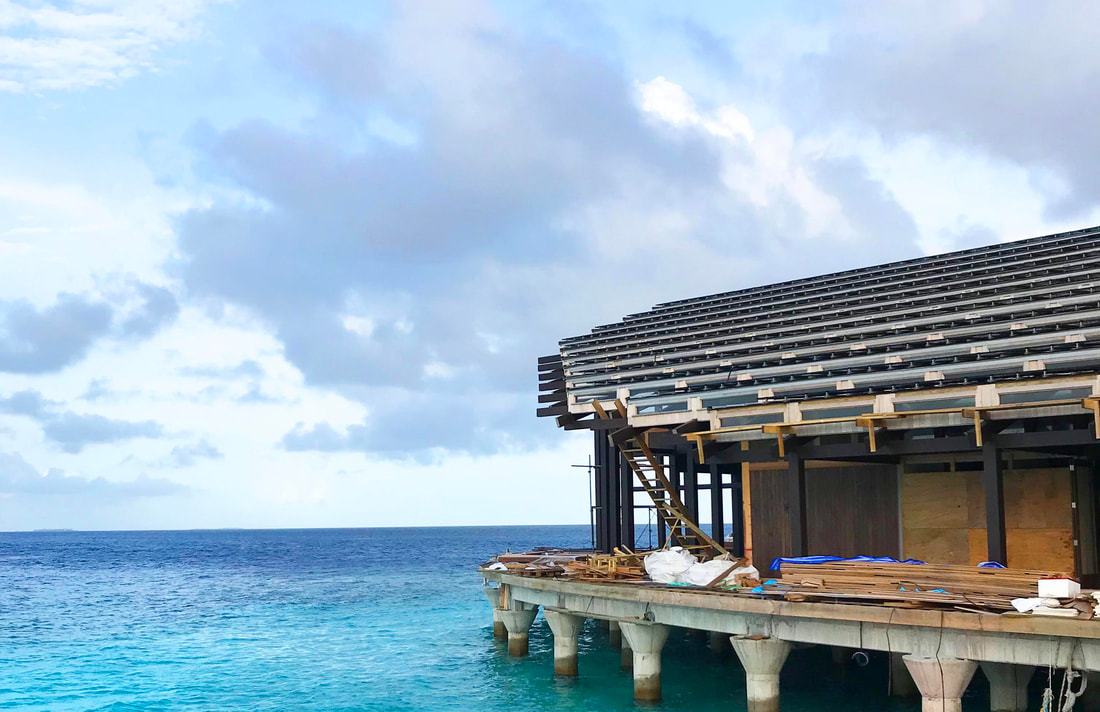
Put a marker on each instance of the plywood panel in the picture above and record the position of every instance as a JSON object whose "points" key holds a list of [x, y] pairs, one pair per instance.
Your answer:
{"points": [[941, 546], [975, 497], [979, 547], [934, 500], [1038, 499], [1034, 499], [1049, 549], [943, 515]]}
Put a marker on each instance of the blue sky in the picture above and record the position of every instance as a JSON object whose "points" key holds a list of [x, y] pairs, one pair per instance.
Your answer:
{"points": [[288, 264]]}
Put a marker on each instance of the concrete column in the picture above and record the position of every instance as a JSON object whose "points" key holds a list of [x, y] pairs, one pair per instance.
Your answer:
{"points": [[493, 594], [901, 682], [719, 643], [565, 628], [626, 656], [1007, 686], [762, 659], [615, 634], [941, 682], [646, 641], [518, 622]]}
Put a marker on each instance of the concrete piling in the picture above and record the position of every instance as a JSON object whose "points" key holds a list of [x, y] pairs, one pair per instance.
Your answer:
{"points": [[646, 641], [941, 682], [493, 594], [762, 659], [718, 643], [566, 628], [1007, 686], [518, 621]]}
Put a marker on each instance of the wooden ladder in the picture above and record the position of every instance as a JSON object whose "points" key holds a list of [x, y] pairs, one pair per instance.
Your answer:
{"points": [[651, 473]]}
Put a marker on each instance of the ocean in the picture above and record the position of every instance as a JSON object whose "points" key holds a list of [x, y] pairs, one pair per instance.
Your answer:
{"points": [[328, 620]]}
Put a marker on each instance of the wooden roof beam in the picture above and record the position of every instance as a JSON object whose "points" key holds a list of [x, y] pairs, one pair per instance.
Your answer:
{"points": [[692, 426]]}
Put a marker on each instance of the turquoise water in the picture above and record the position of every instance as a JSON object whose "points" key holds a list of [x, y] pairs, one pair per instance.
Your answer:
{"points": [[354, 619]]}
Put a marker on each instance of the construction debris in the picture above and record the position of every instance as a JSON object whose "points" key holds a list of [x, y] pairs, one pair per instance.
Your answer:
{"points": [[621, 565], [896, 585], [542, 561]]}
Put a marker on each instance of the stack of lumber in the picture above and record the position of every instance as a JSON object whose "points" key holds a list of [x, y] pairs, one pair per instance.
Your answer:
{"points": [[538, 562], [535, 569], [910, 585]]}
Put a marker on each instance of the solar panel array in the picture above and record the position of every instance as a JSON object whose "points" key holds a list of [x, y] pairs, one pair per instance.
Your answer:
{"points": [[1009, 311]]}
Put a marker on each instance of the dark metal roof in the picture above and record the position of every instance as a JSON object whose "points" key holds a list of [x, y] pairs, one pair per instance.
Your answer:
{"points": [[1015, 310]]}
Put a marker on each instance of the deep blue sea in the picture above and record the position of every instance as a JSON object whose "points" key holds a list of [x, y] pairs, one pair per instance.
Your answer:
{"points": [[340, 619]]}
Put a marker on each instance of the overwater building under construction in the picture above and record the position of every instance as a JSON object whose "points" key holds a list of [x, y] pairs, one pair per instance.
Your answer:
{"points": [[943, 410]]}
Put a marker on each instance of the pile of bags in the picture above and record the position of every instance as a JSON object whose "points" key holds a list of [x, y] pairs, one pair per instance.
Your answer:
{"points": [[678, 566]]}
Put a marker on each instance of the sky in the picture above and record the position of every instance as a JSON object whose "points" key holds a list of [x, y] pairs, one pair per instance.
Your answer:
{"points": [[281, 264]]}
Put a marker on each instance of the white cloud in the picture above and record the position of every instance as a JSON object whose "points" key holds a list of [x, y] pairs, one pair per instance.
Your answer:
{"points": [[439, 370], [61, 235], [672, 103], [764, 167], [88, 43]]}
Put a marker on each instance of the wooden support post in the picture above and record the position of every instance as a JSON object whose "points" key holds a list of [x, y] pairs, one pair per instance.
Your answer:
{"points": [[737, 519], [781, 434], [746, 505], [717, 505], [993, 482], [796, 495]]}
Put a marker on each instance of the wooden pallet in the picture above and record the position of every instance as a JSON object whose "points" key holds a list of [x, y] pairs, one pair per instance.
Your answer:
{"points": [[619, 565]]}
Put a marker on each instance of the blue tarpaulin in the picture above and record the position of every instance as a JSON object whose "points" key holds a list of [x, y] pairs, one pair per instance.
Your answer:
{"points": [[777, 563], [827, 559]]}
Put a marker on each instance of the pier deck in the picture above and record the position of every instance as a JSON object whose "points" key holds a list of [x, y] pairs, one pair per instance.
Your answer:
{"points": [[928, 638]]}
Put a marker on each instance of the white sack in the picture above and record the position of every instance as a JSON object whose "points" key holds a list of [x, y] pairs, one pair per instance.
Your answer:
{"points": [[668, 566], [705, 572]]}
